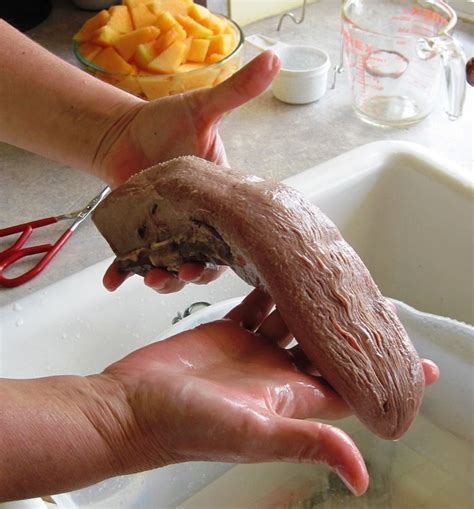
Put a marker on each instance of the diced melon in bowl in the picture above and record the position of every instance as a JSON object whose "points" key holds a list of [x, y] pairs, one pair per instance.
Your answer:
{"points": [[142, 16], [127, 44], [105, 36], [168, 61], [198, 50], [155, 87], [130, 84], [166, 21], [110, 60], [159, 41], [120, 19], [91, 25]]}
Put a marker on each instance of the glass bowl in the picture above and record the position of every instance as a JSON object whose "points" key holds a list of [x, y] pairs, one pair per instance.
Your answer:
{"points": [[161, 85]]}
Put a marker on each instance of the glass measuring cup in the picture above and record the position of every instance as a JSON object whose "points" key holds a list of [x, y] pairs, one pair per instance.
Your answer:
{"points": [[395, 51]]}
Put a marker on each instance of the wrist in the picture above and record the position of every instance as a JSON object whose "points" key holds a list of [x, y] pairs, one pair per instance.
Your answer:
{"points": [[61, 433], [132, 441], [118, 155], [110, 413]]}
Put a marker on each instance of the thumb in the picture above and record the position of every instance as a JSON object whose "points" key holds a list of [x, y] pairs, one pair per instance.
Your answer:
{"points": [[298, 441], [241, 87]]}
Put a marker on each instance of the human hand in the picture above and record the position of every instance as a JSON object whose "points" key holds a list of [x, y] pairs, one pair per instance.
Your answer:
{"points": [[184, 124], [222, 392]]}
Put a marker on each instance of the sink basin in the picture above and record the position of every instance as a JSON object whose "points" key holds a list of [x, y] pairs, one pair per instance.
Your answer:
{"points": [[410, 217]]}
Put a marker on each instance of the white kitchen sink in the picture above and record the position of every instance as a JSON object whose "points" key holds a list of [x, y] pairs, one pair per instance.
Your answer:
{"points": [[410, 217]]}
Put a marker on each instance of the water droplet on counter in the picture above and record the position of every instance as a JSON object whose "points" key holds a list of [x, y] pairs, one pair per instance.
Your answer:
{"points": [[17, 307], [77, 335], [64, 335], [19, 322]]}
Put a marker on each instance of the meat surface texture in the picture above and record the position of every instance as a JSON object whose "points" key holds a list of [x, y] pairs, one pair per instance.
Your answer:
{"points": [[191, 210]]}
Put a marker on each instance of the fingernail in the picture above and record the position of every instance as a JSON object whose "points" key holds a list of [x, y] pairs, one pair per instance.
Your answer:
{"points": [[275, 62], [345, 479], [156, 286]]}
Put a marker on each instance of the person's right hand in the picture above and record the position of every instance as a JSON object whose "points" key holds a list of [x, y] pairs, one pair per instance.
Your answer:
{"points": [[229, 391]]}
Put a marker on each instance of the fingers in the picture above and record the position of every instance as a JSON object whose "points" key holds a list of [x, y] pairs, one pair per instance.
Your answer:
{"points": [[162, 281], [274, 328], [299, 441], [197, 273], [302, 362], [251, 312], [113, 277], [310, 397], [200, 274], [431, 371], [243, 86]]}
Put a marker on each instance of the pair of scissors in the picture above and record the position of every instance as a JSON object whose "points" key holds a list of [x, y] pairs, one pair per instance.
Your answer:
{"points": [[16, 251]]}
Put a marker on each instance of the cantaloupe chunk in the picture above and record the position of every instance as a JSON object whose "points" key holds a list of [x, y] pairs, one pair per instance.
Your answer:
{"points": [[220, 44], [120, 19], [175, 7], [144, 54], [110, 60], [198, 12], [213, 58], [105, 36], [89, 50], [91, 25], [198, 50], [193, 28], [176, 33], [230, 31], [166, 21], [142, 16], [169, 60], [127, 44], [215, 23], [187, 43], [133, 3], [190, 66], [203, 78], [130, 84], [155, 87]]}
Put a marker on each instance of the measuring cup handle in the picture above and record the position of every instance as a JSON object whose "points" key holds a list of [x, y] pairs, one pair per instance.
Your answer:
{"points": [[454, 61]]}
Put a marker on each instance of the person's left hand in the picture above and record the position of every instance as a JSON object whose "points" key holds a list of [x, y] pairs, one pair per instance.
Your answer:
{"points": [[222, 392], [184, 124]]}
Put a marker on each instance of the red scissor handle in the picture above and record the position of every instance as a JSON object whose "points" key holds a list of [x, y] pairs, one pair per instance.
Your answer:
{"points": [[10, 256], [4, 232], [26, 230]]}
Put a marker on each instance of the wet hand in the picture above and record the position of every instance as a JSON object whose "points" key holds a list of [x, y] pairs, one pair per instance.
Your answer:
{"points": [[228, 391]]}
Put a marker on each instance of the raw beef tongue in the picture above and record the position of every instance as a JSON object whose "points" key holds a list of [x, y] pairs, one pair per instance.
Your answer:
{"points": [[188, 209]]}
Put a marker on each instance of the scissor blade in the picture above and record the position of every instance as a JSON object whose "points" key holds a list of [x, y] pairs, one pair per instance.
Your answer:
{"points": [[89, 208]]}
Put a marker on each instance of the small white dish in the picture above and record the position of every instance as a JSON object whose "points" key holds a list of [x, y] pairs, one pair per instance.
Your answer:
{"points": [[304, 70]]}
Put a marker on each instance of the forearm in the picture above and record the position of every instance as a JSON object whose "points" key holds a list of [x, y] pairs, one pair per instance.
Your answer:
{"points": [[52, 108], [60, 433]]}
